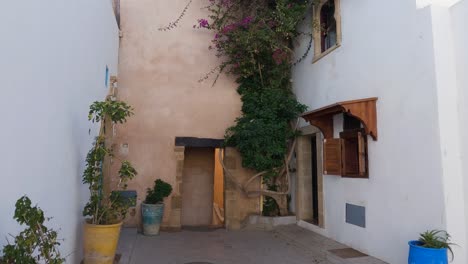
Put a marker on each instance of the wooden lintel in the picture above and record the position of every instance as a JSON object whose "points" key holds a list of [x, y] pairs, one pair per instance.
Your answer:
{"points": [[364, 109]]}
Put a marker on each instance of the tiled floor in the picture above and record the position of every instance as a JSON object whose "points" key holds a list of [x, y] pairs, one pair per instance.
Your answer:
{"points": [[285, 244]]}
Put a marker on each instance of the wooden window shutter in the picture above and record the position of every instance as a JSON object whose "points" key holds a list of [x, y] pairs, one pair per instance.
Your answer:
{"points": [[362, 154], [349, 156], [332, 156], [354, 154]]}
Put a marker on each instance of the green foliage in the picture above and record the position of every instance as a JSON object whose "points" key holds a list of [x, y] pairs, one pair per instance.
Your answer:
{"points": [[262, 132], [160, 190], [36, 243], [101, 208], [115, 111], [436, 239]]}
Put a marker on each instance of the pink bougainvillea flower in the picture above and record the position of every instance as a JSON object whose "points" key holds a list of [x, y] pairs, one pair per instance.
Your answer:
{"points": [[203, 23], [246, 21], [229, 28], [226, 3]]}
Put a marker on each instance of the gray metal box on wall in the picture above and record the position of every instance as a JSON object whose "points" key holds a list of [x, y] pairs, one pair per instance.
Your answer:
{"points": [[129, 195], [356, 215]]}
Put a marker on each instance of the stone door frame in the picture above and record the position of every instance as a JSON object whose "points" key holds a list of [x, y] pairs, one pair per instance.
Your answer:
{"points": [[179, 152], [304, 175]]}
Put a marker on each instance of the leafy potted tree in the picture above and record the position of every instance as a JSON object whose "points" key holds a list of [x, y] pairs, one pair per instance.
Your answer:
{"points": [[105, 211], [152, 209], [431, 248]]}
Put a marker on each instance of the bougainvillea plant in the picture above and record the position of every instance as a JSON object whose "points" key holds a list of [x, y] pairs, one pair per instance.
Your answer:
{"points": [[254, 41]]}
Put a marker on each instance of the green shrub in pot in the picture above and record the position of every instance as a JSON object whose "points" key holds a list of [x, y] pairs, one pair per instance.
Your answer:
{"points": [[152, 209]]}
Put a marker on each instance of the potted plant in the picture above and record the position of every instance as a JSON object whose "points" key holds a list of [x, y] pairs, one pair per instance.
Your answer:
{"points": [[431, 248], [152, 209], [105, 211]]}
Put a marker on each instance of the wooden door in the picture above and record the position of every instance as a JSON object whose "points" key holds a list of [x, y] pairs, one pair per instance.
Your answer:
{"points": [[197, 187]]}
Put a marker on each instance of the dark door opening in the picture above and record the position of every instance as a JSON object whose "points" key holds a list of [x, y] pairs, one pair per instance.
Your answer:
{"points": [[315, 198]]}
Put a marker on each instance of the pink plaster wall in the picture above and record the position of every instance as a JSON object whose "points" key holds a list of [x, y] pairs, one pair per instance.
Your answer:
{"points": [[158, 76]]}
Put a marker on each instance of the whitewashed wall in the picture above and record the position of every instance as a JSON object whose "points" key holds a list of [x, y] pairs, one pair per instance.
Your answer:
{"points": [[53, 59], [387, 52], [449, 127], [459, 13]]}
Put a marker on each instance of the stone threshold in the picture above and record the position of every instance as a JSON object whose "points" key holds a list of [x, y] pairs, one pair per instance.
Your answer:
{"points": [[269, 222]]}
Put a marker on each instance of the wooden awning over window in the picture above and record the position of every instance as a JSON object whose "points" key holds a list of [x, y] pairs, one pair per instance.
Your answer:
{"points": [[363, 109]]}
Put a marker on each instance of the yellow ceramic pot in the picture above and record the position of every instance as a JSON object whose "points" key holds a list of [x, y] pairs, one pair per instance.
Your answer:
{"points": [[100, 243]]}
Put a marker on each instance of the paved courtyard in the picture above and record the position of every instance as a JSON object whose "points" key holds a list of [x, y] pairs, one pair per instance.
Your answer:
{"points": [[286, 244]]}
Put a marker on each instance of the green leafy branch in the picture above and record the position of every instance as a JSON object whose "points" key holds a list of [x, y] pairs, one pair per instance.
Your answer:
{"points": [[436, 239], [36, 243]]}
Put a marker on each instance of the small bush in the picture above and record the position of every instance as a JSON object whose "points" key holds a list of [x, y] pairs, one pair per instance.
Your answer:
{"points": [[160, 190]]}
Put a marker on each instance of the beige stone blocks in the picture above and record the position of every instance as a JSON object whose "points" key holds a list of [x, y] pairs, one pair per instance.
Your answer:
{"points": [[238, 207], [176, 202]]}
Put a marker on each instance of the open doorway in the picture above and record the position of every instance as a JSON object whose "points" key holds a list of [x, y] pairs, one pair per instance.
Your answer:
{"points": [[314, 172], [202, 188], [309, 179]]}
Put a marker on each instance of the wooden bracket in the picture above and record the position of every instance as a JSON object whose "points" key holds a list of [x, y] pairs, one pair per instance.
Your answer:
{"points": [[364, 109]]}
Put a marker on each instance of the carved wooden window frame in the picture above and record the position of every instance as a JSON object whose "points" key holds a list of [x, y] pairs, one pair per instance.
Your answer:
{"points": [[316, 29]]}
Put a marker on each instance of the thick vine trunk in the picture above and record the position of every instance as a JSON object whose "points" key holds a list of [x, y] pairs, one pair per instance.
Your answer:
{"points": [[282, 201]]}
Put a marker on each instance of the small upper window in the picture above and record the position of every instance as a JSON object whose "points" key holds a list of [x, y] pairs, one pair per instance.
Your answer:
{"points": [[328, 26], [327, 29]]}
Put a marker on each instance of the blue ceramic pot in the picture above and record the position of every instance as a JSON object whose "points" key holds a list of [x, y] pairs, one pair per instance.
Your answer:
{"points": [[422, 255], [152, 215]]}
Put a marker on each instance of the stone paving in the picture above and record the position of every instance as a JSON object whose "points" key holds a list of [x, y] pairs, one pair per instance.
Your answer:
{"points": [[285, 244]]}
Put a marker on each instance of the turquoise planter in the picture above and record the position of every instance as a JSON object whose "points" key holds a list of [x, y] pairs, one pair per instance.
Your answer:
{"points": [[152, 215], [422, 255]]}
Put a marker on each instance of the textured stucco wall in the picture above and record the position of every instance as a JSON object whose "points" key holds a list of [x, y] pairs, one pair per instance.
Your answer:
{"points": [[387, 52], [159, 73], [54, 56]]}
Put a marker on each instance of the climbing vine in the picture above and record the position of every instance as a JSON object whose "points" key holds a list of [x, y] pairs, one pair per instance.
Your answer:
{"points": [[254, 40]]}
